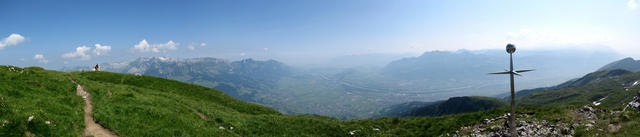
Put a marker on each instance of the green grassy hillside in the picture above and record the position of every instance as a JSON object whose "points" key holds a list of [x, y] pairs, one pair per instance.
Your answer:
{"points": [[44, 95], [615, 86]]}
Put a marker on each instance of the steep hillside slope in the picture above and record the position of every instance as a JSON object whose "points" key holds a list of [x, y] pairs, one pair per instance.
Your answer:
{"points": [[584, 80], [453, 105], [40, 102], [608, 88], [628, 64], [148, 106]]}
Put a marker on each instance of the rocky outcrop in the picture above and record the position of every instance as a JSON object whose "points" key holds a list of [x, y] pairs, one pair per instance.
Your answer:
{"points": [[590, 118], [635, 103], [526, 126], [588, 112]]}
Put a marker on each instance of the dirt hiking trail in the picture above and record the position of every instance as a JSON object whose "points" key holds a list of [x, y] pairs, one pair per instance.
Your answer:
{"points": [[91, 127]]}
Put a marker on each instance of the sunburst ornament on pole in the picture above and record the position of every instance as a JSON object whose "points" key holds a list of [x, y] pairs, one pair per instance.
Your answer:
{"points": [[511, 49]]}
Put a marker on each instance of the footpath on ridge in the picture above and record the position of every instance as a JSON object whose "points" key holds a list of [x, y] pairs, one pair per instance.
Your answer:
{"points": [[91, 127]]}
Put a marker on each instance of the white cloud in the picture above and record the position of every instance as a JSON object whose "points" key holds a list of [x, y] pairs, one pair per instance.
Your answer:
{"points": [[12, 40], [633, 4], [101, 50], [243, 54], [80, 53], [144, 46], [193, 46], [40, 58]]}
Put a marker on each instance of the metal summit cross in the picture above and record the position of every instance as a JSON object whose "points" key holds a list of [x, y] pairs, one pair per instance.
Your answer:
{"points": [[511, 49]]}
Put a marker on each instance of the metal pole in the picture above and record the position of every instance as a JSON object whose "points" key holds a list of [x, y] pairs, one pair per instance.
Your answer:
{"points": [[512, 118]]}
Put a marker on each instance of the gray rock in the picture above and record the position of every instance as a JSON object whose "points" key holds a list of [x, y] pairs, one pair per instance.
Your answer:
{"points": [[576, 125], [588, 125], [635, 103], [530, 127], [614, 128], [523, 134], [587, 108], [530, 132]]}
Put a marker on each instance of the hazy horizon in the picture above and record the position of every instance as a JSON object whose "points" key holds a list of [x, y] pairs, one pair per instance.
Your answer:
{"points": [[342, 61]]}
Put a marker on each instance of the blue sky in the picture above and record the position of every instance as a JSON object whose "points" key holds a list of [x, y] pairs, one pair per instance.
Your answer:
{"points": [[65, 33]]}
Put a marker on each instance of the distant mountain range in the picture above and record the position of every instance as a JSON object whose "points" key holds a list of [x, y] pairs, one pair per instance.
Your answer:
{"points": [[457, 70], [364, 92]]}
